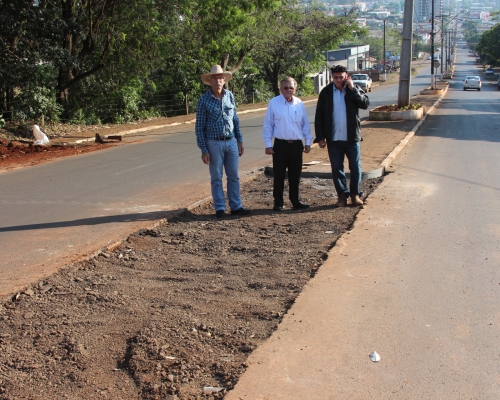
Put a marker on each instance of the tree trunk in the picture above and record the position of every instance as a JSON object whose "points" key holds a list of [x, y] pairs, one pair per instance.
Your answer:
{"points": [[276, 81], [62, 92], [68, 9]]}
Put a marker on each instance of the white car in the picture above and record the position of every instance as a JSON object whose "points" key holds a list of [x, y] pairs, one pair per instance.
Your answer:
{"points": [[472, 82], [363, 81]]}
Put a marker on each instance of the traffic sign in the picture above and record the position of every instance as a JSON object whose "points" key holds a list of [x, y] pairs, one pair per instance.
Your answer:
{"points": [[436, 64]]}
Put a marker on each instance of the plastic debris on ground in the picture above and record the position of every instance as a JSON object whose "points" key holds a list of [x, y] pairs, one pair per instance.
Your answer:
{"points": [[375, 357], [41, 138]]}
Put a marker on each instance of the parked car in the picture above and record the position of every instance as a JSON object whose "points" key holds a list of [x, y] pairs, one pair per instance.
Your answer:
{"points": [[472, 82], [363, 81], [428, 58], [489, 71]]}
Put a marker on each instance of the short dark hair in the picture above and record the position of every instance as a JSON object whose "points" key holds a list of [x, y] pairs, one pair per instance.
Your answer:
{"points": [[338, 68]]}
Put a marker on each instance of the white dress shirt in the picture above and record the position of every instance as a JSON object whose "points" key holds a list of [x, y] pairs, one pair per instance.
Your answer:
{"points": [[339, 114], [286, 120]]}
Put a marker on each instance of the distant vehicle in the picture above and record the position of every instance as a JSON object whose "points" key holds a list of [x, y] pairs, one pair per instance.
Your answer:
{"points": [[489, 71], [464, 47], [428, 58], [498, 83], [472, 82], [363, 81]]}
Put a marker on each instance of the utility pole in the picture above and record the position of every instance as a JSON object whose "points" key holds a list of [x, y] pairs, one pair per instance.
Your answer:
{"points": [[442, 44], [405, 67], [433, 81], [450, 47], [385, 74]]}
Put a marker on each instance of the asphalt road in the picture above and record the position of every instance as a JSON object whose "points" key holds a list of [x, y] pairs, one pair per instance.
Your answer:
{"points": [[59, 212], [417, 279]]}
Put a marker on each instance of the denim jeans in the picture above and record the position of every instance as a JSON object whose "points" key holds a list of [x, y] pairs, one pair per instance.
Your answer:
{"points": [[336, 151], [224, 155]]}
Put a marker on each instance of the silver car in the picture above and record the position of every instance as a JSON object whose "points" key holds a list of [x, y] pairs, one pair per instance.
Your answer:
{"points": [[363, 81], [472, 82]]}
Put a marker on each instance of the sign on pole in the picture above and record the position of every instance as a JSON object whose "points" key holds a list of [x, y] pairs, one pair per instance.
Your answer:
{"points": [[436, 64]]}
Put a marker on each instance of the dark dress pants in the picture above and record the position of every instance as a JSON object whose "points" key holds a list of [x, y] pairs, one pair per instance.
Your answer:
{"points": [[287, 155]]}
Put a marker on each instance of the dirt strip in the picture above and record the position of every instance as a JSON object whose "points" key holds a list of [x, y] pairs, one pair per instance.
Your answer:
{"points": [[173, 312]]}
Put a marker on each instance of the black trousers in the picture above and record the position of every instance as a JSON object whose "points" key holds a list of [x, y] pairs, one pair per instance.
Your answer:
{"points": [[287, 155]]}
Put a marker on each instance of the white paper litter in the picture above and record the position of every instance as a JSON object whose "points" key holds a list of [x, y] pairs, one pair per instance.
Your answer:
{"points": [[41, 138], [375, 357]]}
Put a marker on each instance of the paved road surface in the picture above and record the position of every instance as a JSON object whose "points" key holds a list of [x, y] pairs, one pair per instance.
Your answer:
{"points": [[55, 213], [417, 279]]}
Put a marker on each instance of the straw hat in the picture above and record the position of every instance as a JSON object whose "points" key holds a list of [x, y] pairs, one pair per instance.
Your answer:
{"points": [[216, 70]]}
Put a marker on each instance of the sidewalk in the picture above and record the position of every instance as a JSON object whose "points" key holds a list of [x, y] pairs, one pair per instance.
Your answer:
{"points": [[309, 355]]}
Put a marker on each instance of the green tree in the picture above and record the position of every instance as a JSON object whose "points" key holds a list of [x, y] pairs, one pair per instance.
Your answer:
{"points": [[489, 45], [292, 44]]}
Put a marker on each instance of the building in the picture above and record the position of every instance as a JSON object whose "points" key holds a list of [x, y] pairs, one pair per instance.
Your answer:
{"points": [[353, 57]]}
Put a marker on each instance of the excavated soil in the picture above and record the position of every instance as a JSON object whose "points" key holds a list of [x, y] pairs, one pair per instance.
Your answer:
{"points": [[174, 311], [15, 154]]}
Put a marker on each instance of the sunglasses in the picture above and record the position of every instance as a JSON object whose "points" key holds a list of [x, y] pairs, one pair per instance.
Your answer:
{"points": [[288, 87]]}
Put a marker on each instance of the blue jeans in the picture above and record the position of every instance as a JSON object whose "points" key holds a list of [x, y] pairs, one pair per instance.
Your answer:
{"points": [[224, 154], [336, 151]]}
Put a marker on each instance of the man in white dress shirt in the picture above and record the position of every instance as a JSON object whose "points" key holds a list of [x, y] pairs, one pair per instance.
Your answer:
{"points": [[286, 120]]}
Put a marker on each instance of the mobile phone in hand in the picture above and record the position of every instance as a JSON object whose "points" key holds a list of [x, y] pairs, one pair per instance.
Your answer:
{"points": [[346, 79]]}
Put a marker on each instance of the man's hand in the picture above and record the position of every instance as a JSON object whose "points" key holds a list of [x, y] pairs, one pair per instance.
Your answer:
{"points": [[349, 84], [269, 151], [307, 149], [322, 143], [241, 150], [205, 157]]}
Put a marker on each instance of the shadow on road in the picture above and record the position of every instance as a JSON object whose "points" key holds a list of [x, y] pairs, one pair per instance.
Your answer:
{"points": [[109, 219]]}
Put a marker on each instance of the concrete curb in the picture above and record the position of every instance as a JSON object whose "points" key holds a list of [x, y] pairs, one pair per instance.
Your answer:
{"points": [[390, 158]]}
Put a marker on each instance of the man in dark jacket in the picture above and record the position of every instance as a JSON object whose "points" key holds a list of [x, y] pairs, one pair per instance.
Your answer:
{"points": [[338, 127]]}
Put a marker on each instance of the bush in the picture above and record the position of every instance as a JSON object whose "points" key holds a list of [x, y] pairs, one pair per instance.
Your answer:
{"points": [[82, 118], [41, 101]]}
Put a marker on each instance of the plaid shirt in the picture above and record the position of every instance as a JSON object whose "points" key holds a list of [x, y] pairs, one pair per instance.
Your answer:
{"points": [[216, 119]]}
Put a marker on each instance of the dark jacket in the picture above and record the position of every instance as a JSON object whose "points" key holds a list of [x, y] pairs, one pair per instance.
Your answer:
{"points": [[323, 121]]}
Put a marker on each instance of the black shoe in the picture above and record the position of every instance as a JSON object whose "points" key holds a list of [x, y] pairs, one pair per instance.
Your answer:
{"points": [[220, 213], [301, 206], [240, 211], [278, 208]]}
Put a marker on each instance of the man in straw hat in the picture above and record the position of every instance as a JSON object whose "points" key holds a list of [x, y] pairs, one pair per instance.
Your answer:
{"points": [[219, 137]]}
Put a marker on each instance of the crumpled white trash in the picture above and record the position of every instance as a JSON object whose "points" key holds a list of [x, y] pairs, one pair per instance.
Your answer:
{"points": [[41, 138], [375, 357]]}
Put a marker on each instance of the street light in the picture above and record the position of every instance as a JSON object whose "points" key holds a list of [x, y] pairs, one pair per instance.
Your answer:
{"points": [[443, 33]]}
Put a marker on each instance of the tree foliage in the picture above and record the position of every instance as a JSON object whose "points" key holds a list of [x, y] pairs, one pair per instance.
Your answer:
{"points": [[110, 60], [489, 46]]}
